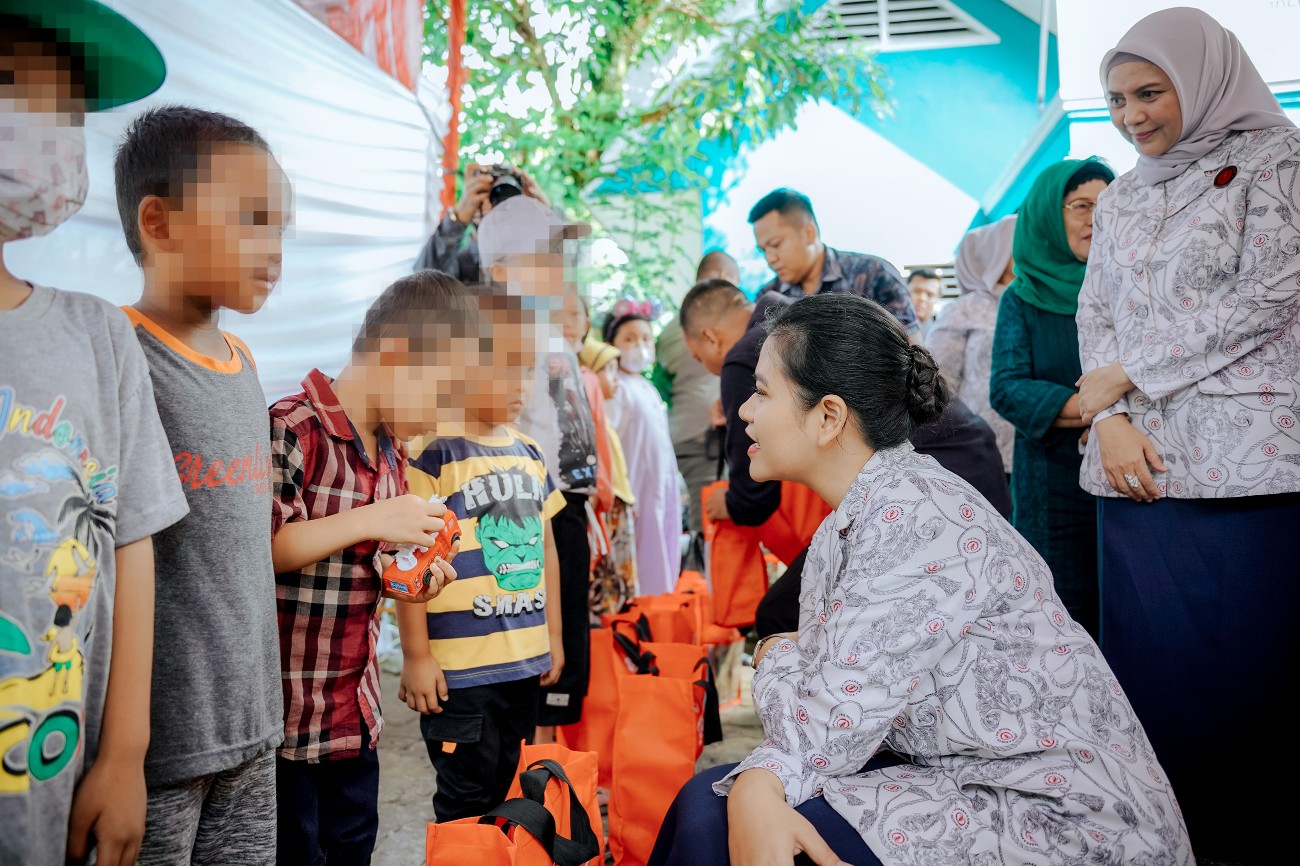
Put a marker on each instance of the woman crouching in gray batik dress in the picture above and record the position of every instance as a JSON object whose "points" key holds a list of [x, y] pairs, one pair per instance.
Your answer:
{"points": [[937, 705]]}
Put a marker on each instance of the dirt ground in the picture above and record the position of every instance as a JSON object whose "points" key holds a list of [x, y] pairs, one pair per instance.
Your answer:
{"points": [[406, 780]]}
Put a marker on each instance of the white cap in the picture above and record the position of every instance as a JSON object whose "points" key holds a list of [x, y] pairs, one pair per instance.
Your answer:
{"points": [[522, 225]]}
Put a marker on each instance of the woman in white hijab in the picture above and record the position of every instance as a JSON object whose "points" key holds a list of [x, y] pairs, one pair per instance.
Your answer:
{"points": [[962, 340], [1190, 347]]}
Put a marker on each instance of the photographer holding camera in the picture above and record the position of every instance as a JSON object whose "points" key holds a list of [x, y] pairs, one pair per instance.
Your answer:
{"points": [[452, 248]]}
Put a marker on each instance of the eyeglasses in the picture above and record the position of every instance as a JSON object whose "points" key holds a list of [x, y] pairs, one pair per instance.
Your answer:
{"points": [[1080, 208]]}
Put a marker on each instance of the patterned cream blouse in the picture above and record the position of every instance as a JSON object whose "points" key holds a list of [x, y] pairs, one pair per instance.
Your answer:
{"points": [[1193, 286], [929, 627]]}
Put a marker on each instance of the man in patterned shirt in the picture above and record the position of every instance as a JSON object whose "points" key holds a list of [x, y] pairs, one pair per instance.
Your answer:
{"points": [[787, 233]]}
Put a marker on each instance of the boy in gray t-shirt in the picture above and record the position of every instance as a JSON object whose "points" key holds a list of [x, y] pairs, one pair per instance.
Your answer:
{"points": [[85, 475], [204, 205]]}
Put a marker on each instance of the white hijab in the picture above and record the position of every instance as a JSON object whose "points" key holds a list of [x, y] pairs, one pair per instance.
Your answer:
{"points": [[983, 255], [1218, 87]]}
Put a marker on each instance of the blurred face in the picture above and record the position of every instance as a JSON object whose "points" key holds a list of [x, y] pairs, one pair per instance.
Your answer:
{"points": [[34, 80], [783, 445], [1078, 207], [536, 275], [225, 241], [609, 380], [574, 321], [495, 388], [789, 244], [415, 390], [1144, 106], [925, 293]]}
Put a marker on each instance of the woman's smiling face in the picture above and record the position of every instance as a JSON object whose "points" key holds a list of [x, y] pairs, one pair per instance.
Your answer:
{"points": [[1144, 106], [776, 421]]}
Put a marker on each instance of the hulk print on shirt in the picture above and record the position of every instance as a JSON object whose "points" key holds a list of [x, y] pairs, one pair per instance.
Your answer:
{"points": [[512, 548]]}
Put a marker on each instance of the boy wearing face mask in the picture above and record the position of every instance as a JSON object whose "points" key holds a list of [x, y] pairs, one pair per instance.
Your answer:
{"points": [[638, 413], [86, 478]]}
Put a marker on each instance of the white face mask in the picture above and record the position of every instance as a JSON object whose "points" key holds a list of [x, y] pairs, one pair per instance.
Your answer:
{"points": [[43, 178], [637, 359]]}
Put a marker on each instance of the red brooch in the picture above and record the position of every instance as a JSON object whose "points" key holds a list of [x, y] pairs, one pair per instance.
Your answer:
{"points": [[1225, 176]]}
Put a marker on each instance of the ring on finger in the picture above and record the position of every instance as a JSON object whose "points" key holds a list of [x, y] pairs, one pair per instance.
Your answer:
{"points": [[1133, 480]]}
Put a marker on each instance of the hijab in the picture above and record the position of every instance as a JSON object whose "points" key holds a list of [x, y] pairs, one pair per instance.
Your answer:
{"points": [[1048, 276], [1218, 87], [983, 256]]}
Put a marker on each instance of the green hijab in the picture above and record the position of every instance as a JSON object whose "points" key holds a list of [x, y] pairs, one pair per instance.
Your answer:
{"points": [[1048, 276]]}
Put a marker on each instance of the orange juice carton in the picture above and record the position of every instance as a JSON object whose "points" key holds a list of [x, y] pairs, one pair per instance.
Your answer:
{"points": [[412, 567]]}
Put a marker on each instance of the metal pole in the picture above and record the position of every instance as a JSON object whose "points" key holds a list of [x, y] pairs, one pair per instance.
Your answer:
{"points": [[882, 9], [1044, 29]]}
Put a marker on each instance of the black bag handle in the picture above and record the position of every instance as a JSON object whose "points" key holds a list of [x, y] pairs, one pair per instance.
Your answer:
{"points": [[582, 844], [530, 813], [643, 661], [640, 625], [717, 438], [712, 703]]}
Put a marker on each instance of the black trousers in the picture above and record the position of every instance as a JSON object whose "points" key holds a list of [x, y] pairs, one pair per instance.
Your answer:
{"points": [[778, 610], [561, 704], [474, 745], [328, 811]]}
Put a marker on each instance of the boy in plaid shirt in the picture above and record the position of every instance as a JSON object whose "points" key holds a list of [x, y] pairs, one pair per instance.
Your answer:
{"points": [[339, 475]]}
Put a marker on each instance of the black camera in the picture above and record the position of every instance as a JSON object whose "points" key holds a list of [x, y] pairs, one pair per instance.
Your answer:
{"points": [[507, 182]]}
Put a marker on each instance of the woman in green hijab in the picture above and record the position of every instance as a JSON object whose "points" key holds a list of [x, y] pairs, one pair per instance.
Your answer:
{"points": [[1035, 368]]}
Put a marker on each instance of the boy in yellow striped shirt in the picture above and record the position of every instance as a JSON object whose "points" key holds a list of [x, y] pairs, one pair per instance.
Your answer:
{"points": [[475, 659]]}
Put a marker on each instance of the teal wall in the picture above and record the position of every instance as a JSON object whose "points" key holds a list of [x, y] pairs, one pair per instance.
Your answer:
{"points": [[964, 112]]}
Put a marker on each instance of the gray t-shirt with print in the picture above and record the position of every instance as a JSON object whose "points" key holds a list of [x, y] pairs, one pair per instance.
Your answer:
{"points": [[217, 699], [84, 469]]}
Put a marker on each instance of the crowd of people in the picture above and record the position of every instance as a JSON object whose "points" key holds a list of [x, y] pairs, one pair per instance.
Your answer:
{"points": [[1028, 537]]}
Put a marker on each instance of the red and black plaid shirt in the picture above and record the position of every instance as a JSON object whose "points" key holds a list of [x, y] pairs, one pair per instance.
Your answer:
{"points": [[329, 624]]}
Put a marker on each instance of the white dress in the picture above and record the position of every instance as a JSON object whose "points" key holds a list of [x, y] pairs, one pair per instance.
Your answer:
{"points": [[929, 627], [638, 413]]}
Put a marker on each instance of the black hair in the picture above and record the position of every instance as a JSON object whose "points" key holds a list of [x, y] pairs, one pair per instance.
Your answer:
{"points": [[710, 260], [613, 323], [162, 152], [1093, 169], [706, 301], [785, 202], [854, 348], [422, 310], [16, 30], [63, 616], [922, 274], [517, 509]]}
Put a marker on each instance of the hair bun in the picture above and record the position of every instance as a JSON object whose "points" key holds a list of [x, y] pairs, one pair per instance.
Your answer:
{"points": [[927, 390]]}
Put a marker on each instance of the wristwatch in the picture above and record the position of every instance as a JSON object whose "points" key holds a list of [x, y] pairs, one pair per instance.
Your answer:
{"points": [[758, 648]]}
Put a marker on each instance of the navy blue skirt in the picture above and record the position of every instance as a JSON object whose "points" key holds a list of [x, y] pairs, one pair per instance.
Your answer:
{"points": [[694, 832], [1198, 605]]}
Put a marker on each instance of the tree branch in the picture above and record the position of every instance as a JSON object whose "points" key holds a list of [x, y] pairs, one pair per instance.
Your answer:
{"points": [[521, 15]]}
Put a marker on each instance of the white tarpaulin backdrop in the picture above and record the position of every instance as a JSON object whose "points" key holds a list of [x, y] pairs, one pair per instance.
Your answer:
{"points": [[359, 150]]}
